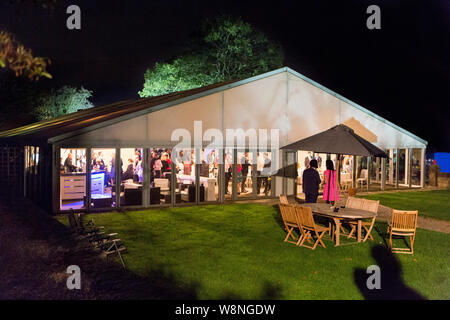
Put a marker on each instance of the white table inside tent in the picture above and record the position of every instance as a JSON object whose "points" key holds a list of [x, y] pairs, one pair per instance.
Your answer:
{"points": [[208, 183]]}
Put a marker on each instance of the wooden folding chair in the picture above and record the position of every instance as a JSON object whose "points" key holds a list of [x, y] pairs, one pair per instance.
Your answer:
{"points": [[309, 227], [403, 223], [355, 203], [283, 199], [113, 246], [288, 214], [368, 205]]}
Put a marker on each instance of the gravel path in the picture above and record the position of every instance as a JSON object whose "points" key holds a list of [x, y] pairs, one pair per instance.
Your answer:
{"points": [[385, 213]]}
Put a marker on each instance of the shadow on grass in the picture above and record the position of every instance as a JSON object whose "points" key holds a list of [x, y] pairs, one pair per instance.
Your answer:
{"points": [[269, 292], [392, 285], [38, 249]]}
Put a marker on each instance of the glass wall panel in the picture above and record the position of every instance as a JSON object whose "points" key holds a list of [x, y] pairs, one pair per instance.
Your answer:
{"points": [[160, 164], [362, 171], [72, 178], [228, 165], [264, 172], [102, 177], [185, 177], [244, 174], [290, 172], [415, 169], [209, 173], [347, 171], [131, 176], [402, 166], [394, 165], [390, 167], [375, 167]]}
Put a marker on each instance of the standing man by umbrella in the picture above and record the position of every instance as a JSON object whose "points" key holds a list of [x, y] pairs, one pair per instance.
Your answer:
{"points": [[311, 182]]}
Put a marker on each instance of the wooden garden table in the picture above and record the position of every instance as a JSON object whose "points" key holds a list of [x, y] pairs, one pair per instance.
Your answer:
{"points": [[324, 209]]}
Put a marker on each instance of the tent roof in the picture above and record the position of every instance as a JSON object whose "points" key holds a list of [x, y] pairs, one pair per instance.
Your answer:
{"points": [[73, 124], [89, 117]]}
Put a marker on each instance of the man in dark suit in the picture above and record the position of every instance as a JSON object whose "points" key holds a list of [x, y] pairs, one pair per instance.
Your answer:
{"points": [[311, 182]]}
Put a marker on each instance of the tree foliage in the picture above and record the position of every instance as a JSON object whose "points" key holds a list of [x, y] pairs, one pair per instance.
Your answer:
{"points": [[62, 101], [229, 49], [185, 72], [14, 56]]}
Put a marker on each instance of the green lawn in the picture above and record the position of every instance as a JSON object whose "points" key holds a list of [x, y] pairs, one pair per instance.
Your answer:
{"points": [[237, 251], [435, 204]]}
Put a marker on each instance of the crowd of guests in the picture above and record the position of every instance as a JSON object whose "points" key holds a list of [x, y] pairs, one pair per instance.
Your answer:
{"points": [[133, 170], [263, 172], [160, 163]]}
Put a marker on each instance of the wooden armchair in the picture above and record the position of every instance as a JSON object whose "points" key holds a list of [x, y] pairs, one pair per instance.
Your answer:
{"points": [[403, 223], [308, 227]]}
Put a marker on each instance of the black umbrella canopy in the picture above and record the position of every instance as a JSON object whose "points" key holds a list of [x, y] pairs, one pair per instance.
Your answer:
{"points": [[339, 139]]}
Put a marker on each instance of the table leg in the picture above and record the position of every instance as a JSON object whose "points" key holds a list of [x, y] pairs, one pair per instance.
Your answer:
{"points": [[337, 233], [359, 229]]}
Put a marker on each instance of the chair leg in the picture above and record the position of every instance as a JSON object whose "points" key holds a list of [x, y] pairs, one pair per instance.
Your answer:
{"points": [[303, 240], [368, 234], [350, 234], [390, 240], [412, 243], [290, 235], [319, 240], [299, 239], [302, 237]]}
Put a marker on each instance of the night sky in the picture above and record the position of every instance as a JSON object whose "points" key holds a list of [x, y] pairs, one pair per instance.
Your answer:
{"points": [[400, 72]]}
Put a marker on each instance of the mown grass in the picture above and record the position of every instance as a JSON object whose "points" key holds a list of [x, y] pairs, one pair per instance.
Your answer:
{"points": [[434, 204], [237, 251]]}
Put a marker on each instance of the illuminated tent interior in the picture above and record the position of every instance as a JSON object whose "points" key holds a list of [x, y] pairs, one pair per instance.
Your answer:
{"points": [[121, 155]]}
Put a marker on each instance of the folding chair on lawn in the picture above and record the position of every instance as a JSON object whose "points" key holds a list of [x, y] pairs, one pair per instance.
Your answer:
{"points": [[77, 226], [309, 228], [403, 223], [368, 205], [288, 214], [113, 246]]}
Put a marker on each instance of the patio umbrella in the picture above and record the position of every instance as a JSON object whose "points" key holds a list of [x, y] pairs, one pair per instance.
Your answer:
{"points": [[339, 140]]}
